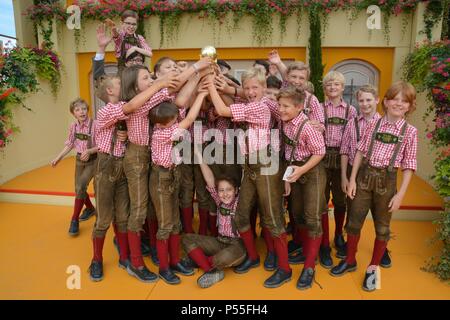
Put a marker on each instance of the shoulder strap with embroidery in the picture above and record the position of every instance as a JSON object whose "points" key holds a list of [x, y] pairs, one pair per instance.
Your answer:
{"points": [[233, 225], [397, 146], [297, 135], [307, 109], [347, 111], [75, 132], [372, 141], [358, 135]]}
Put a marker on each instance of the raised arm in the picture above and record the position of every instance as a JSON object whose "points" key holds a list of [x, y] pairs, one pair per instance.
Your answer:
{"points": [[184, 96], [207, 173], [224, 87], [193, 111], [139, 100], [219, 105], [275, 59], [187, 74], [102, 42]]}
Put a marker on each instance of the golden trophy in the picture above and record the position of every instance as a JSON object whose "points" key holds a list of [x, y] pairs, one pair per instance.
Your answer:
{"points": [[209, 51]]}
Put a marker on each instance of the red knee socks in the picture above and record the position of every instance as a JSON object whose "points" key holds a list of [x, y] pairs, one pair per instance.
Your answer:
{"points": [[78, 205]]}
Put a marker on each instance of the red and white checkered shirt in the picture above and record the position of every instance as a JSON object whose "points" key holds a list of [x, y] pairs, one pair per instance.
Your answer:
{"points": [[107, 117], [182, 114], [198, 129], [79, 134], [315, 109], [224, 222], [383, 152], [275, 113], [334, 132], [120, 38], [138, 122], [257, 117], [162, 144], [310, 141], [221, 124], [349, 139]]}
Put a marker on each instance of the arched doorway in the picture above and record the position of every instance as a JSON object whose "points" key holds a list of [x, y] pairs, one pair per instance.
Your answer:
{"points": [[357, 73]]}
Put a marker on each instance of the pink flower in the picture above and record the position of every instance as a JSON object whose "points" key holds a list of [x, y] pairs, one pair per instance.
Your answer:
{"points": [[2, 143], [429, 135]]}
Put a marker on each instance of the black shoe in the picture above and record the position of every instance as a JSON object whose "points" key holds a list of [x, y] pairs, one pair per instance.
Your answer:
{"points": [[278, 278], [96, 271], [298, 258], [188, 262], [370, 281], [306, 279], [87, 213], [169, 277], [270, 262], [386, 260], [74, 228], [154, 256], [325, 257], [124, 264], [342, 268], [142, 273], [145, 247], [293, 247], [209, 278], [245, 266], [341, 247], [182, 268]]}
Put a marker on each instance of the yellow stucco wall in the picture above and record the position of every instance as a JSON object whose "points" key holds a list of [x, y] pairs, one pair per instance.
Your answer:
{"points": [[340, 41]]}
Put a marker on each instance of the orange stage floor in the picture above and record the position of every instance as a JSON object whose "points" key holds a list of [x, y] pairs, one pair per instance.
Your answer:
{"points": [[37, 251]]}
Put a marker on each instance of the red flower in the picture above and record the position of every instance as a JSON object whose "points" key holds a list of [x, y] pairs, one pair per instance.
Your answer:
{"points": [[7, 93], [436, 90]]}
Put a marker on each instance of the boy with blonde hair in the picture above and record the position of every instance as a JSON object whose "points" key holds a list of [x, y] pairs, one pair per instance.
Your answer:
{"points": [[337, 114]]}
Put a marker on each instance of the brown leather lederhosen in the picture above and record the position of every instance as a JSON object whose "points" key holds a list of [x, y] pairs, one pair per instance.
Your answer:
{"points": [[375, 189], [84, 170], [111, 192], [307, 193]]}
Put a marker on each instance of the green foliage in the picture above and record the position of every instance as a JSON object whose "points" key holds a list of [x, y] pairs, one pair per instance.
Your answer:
{"points": [[433, 14], [262, 12], [428, 68], [315, 53], [20, 69]]}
